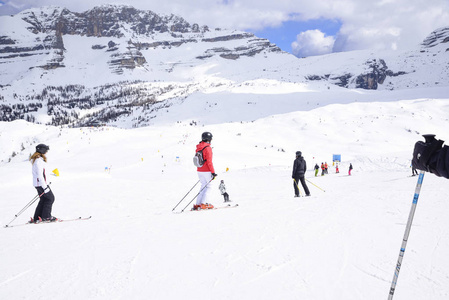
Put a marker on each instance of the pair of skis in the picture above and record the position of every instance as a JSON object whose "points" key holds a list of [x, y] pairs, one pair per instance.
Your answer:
{"points": [[215, 207], [47, 222], [227, 206]]}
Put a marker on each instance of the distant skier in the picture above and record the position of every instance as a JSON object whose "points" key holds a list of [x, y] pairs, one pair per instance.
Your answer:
{"points": [[322, 169], [222, 189], [337, 170], [206, 173], [350, 169], [326, 168], [299, 171], [431, 156], [44, 207], [317, 168]]}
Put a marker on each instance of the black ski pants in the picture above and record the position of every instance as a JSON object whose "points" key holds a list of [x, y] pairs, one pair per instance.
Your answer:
{"points": [[296, 182], [45, 204], [226, 197]]}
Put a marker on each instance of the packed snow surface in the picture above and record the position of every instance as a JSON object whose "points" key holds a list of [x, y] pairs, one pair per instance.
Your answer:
{"points": [[341, 243]]}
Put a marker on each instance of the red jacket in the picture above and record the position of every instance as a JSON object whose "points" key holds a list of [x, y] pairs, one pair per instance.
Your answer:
{"points": [[207, 155]]}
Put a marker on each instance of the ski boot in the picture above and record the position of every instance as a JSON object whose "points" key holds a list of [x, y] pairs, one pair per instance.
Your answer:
{"points": [[51, 219]]}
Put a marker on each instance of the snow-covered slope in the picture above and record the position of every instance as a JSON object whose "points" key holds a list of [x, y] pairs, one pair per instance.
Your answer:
{"points": [[338, 244]]}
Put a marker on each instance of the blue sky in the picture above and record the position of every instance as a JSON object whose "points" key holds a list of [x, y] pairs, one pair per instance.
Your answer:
{"points": [[284, 35], [301, 27]]}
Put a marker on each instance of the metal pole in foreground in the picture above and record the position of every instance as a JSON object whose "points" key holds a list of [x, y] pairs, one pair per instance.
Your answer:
{"points": [[406, 234]]}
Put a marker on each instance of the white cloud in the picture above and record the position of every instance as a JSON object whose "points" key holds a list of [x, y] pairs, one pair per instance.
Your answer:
{"points": [[312, 42], [18, 5], [379, 38], [398, 24]]}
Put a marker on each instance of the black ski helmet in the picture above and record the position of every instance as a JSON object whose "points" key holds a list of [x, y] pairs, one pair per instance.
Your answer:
{"points": [[206, 137], [298, 153], [42, 148]]}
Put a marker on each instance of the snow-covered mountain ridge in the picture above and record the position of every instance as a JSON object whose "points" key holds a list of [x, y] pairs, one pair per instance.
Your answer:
{"points": [[121, 66], [46, 29]]}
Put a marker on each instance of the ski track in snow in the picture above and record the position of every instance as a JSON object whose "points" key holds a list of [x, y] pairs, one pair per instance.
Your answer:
{"points": [[15, 277]]}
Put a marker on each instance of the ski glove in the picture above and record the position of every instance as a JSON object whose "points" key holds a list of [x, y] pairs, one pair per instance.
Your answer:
{"points": [[431, 157], [214, 175]]}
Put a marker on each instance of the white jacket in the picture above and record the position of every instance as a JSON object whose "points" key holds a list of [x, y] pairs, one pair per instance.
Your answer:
{"points": [[222, 188], [38, 170]]}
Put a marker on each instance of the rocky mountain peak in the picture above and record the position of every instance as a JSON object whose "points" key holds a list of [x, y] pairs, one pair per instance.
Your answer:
{"points": [[134, 29], [132, 51], [437, 37], [105, 20]]}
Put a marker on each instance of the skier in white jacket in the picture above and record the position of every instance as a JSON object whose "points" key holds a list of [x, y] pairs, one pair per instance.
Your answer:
{"points": [[39, 164], [222, 189]]}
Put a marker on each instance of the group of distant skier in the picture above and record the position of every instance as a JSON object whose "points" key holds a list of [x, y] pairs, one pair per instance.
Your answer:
{"points": [[428, 156], [325, 169]]}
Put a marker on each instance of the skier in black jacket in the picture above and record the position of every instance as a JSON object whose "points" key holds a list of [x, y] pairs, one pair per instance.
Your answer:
{"points": [[299, 170], [431, 156]]}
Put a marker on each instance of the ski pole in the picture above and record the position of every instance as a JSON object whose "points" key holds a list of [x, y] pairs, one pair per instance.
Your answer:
{"points": [[27, 206], [197, 195], [300, 194], [30, 203], [315, 185], [406, 234], [185, 195]]}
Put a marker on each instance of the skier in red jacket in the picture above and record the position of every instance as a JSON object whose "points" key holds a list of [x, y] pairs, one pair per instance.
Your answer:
{"points": [[206, 173]]}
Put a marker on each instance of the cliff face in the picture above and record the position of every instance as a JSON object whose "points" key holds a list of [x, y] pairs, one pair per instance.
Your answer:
{"points": [[105, 21], [140, 29], [378, 72], [436, 38], [58, 50]]}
